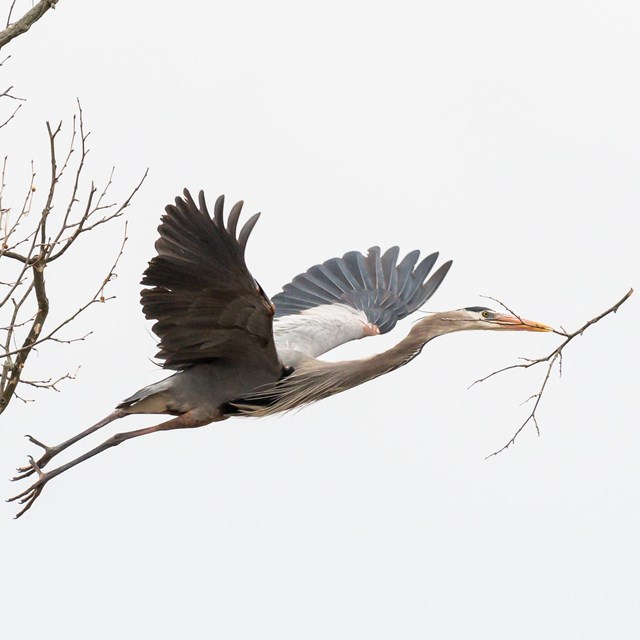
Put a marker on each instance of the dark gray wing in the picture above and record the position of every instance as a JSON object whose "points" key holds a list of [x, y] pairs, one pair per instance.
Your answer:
{"points": [[206, 303], [375, 284]]}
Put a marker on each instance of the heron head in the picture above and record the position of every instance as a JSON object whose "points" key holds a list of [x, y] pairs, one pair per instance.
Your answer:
{"points": [[487, 319], [478, 318]]}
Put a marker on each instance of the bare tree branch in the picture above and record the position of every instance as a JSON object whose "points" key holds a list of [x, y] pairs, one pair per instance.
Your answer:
{"points": [[13, 4], [551, 359], [50, 383], [25, 23], [31, 245], [7, 94], [98, 296]]}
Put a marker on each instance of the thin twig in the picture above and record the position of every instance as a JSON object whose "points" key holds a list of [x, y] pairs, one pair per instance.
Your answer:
{"points": [[553, 357], [13, 4], [11, 117], [504, 306], [50, 383], [98, 297], [82, 228]]}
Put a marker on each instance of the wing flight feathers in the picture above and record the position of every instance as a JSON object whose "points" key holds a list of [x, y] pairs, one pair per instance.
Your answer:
{"points": [[375, 284], [205, 302]]}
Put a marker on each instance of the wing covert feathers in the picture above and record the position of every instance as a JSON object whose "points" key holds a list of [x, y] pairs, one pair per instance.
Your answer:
{"points": [[385, 290]]}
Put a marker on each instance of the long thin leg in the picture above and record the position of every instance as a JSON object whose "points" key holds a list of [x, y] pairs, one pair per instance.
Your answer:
{"points": [[51, 452], [28, 496]]}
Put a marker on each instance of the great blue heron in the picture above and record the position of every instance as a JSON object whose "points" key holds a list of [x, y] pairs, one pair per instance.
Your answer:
{"points": [[235, 352]]}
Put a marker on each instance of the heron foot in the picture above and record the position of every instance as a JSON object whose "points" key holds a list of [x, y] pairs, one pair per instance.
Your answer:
{"points": [[45, 458], [29, 496]]}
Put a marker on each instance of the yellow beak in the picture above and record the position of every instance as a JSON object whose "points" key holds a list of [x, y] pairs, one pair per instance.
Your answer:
{"points": [[514, 323]]}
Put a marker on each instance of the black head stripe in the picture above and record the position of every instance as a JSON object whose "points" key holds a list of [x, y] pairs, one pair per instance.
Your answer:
{"points": [[477, 309]]}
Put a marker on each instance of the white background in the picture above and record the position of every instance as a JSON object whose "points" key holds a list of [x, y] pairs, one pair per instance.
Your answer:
{"points": [[503, 134]]}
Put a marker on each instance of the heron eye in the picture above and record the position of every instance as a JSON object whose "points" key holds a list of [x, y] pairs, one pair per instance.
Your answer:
{"points": [[486, 314]]}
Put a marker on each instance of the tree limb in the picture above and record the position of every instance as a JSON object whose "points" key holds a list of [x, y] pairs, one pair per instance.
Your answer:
{"points": [[32, 337], [25, 23]]}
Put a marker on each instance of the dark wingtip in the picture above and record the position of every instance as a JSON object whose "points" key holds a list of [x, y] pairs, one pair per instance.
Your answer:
{"points": [[232, 218], [186, 197], [218, 211], [203, 203], [434, 282], [247, 229]]}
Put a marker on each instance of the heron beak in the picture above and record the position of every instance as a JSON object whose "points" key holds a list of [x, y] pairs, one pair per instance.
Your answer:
{"points": [[513, 323]]}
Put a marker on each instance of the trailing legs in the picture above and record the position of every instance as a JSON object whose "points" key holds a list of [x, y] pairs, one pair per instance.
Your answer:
{"points": [[28, 496]]}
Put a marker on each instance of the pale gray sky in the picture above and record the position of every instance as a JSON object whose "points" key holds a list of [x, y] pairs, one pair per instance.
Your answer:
{"points": [[503, 134]]}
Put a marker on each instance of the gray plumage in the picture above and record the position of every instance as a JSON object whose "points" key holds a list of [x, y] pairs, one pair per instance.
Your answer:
{"points": [[375, 284], [214, 322], [230, 356]]}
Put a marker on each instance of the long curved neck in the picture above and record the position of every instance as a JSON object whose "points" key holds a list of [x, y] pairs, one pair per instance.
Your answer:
{"points": [[402, 353], [317, 379]]}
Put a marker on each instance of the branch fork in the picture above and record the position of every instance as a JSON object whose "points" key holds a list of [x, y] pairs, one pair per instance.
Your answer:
{"points": [[553, 357]]}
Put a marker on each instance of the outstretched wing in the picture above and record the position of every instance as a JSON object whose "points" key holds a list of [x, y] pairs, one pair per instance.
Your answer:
{"points": [[206, 303], [341, 296]]}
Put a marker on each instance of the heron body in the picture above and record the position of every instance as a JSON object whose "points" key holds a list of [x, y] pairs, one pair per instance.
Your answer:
{"points": [[235, 352]]}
